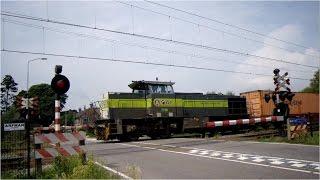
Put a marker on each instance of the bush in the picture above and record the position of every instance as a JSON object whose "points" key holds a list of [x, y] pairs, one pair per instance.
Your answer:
{"points": [[302, 139], [72, 168]]}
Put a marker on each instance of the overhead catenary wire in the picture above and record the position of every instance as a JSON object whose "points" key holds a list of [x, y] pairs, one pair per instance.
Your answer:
{"points": [[154, 38], [142, 62], [226, 24], [139, 45], [214, 29]]}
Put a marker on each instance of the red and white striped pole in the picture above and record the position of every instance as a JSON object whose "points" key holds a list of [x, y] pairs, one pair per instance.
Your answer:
{"points": [[57, 115]]}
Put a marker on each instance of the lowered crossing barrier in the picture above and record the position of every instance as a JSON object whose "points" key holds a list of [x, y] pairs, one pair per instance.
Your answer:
{"points": [[51, 145], [251, 121]]}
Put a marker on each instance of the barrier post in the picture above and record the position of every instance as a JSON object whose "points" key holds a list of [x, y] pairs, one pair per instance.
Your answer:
{"points": [[310, 124], [288, 129], [38, 162], [83, 154]]}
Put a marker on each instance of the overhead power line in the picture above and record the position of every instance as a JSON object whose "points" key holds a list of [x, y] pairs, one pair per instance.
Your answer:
{"points": [[140, 46], [213, 29], [153, 38], [141, 62], [226, 24]]}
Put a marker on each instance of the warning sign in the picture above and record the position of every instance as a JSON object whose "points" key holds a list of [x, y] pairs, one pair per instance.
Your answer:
{"points": [[14, 127]]}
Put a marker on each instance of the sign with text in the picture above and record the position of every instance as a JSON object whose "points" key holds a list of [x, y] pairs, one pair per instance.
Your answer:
{"points": [[14, 127]]}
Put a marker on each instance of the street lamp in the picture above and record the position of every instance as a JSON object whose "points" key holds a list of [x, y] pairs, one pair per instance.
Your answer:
{"points": [[28, 112], [29, 61]]}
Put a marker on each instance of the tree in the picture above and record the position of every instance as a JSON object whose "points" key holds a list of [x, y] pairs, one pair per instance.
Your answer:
{"points": [[314, 84], [230, 93], [46, 102], [68, 117], [8, 90], [10, 115]]}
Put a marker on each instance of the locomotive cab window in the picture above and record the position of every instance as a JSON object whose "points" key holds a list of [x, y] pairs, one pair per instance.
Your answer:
{"points": [[151, 87], [161, 89]]}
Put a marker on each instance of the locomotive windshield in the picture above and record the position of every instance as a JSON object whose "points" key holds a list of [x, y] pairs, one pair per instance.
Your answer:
{"points": [[160, 89], [151, 87]]}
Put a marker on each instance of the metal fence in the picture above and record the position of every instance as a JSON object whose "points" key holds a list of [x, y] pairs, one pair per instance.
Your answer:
{"points": [[13, 150]]}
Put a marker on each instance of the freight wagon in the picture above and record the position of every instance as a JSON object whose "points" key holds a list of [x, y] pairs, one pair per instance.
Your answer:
{"points": [[154, 109], [302, 103]]}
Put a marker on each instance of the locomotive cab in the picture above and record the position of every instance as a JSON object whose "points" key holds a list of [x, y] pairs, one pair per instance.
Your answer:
{"points": [[152, 87]]}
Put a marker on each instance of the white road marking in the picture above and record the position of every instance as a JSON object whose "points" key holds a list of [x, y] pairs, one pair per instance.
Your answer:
{"points": [[232, 160], [114, 171], [250, 154], [169, 145], [147, 143], [317, 165], [277, 162], [194, 151], [274, 160], [298, 165], [257, 157], [258, 160], [243, 158], [204, 152], [215, 154], [228, 156]]}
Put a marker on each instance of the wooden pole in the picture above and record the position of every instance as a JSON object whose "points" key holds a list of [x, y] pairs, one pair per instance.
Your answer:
{"points": [[288, 129]]}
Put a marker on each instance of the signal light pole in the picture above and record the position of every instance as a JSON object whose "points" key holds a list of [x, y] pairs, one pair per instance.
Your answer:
{"points": [[279, 97], [28, 124], [60, 85]]}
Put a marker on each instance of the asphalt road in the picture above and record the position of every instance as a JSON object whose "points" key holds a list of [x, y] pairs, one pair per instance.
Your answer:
{"points": [[184, 158]]}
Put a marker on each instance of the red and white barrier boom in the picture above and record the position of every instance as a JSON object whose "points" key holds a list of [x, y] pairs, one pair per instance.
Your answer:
{"points": [[238, 122]]}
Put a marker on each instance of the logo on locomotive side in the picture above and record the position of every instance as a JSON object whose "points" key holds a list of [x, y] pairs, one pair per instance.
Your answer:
{"points": [[162, 102]]}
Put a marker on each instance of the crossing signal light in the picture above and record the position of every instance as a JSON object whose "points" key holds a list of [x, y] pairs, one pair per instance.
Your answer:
{"points": [[274, 98], [283, 95], [288, 81], [290, 96], [60, 84], [58, 69], [276, 72], [267, 98]]}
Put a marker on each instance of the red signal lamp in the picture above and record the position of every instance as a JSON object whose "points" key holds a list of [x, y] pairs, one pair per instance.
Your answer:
{"points": [[60, 84]]}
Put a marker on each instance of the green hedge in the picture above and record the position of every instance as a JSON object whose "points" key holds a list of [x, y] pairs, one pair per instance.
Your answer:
{"points": [[302, 139]]}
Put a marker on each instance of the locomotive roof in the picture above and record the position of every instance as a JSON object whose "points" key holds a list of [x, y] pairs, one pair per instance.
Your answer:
{"points": [[142, 83]]}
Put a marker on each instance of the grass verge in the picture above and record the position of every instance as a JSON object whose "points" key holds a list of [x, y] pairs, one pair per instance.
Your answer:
{"points": [[72, 168], [302, 139]]}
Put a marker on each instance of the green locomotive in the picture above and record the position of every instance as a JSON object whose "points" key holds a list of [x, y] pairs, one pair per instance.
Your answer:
{"points": [[154, 109]]}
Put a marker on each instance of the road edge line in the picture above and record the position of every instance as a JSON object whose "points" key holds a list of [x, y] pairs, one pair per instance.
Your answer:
{"points": [[114, 171]]}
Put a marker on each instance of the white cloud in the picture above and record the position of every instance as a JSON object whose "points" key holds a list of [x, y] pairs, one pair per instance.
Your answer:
{"points": [[289, 33]]}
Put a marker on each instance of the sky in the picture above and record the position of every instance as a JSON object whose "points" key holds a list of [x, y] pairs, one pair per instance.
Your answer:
{"points": [[296, 22]]}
